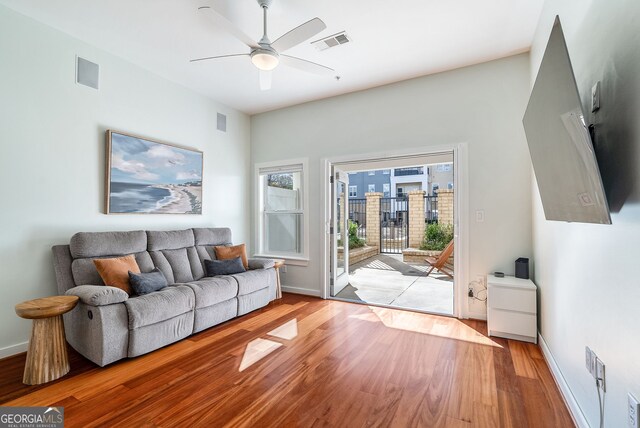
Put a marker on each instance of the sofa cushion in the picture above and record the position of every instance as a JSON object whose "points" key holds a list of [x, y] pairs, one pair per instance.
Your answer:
{"points": [[231, 252], [170, 239], [197, 268], [159, 306], [145, 283], [180, 265], [115, 271], [212, 236], [100, 244], [224, 267], [209, 291], [253, 280], [161, 262]]}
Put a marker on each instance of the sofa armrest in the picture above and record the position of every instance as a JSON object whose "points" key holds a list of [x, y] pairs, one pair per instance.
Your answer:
{"points": [[98, 295], [261, 263]]}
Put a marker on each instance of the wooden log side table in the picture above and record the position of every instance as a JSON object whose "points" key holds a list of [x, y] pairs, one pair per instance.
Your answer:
{"points": [[277, 265], [47, 357]]}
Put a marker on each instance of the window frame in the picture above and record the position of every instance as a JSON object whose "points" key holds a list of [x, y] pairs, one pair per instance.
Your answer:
{"points": [[369, 188], [260, 214], [386, 193], [355, 194]]}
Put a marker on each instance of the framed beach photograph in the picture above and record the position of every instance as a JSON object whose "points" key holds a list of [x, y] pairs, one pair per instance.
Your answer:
{"points": [[149, 177]]}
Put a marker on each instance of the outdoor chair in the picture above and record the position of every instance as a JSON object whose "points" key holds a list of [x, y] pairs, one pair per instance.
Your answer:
{"points": [[441, 263]]}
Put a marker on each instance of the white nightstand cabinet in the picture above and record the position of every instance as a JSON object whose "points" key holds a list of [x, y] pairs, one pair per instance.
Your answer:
{"points": [[511, 308]]}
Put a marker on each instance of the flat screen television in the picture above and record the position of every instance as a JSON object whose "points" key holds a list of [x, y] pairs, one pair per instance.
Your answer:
{"points": [[559, 142]]}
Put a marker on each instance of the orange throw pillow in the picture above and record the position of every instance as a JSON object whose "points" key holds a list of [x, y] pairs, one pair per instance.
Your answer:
{"points": [[231, 252], [115, 271]]}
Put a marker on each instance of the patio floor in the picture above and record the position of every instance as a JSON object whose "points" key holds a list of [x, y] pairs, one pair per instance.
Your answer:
{"points": [[385, 279]]}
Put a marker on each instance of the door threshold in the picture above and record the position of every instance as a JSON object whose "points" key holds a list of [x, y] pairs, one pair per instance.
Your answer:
{"points": [[401, 308]]}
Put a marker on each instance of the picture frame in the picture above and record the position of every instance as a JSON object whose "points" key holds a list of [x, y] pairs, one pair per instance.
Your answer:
{"points": [[145, 176]]}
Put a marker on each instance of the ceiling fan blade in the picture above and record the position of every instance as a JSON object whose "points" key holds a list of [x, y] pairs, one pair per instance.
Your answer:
{"points": [[304, 65], [216, 57], [220, 21], [265, 80], [299, 34]]}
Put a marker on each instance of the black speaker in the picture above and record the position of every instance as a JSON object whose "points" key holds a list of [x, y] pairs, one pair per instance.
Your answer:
{"points": [[522, 268]]}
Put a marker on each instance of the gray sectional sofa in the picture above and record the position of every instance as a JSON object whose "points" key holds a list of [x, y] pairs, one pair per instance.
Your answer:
{"points": [[108, 325]]}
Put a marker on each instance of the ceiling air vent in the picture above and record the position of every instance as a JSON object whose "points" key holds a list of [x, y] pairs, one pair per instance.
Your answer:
{"points": [[332, 41]]}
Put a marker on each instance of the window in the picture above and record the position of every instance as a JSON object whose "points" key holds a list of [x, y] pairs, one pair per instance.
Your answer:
{"points": [[449, 185], [372, 173], [399, 192], [386, 190], [353, 191], [386, 171], [372, 188], [282, 223], [434, 188], [444, 167], [414, 170]]}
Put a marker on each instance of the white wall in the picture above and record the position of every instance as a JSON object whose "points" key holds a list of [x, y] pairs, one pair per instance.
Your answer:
{"points": [[588, 274], [481, 105], [52, 154]]}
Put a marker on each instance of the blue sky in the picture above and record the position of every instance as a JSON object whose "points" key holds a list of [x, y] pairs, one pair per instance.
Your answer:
{"points": [[134, 160]]}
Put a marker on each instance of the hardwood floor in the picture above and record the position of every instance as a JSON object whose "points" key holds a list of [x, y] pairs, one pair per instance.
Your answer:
{"points": [[332, 364]]}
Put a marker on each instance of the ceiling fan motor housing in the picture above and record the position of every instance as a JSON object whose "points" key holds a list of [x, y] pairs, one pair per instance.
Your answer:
{"points": [[265, 58]]}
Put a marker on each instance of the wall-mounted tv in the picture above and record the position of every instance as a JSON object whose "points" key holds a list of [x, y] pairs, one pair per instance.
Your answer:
{"points": [[561, 149]]}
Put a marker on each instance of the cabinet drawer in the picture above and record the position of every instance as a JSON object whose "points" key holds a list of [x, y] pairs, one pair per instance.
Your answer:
{"points": [[512, 299], [512, 322]]}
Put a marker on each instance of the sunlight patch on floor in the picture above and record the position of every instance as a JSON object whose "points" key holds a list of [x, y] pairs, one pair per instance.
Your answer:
{"points": [[256, 350], [286, 331], [449, 328]]}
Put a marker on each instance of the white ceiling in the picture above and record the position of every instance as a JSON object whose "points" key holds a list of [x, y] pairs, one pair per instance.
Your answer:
{"points": [[392, 40]]}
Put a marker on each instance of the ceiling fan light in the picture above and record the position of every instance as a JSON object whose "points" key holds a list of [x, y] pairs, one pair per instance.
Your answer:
{"points": [[265, 60]]}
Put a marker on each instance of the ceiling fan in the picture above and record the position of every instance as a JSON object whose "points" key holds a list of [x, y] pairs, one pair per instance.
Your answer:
{"points": [[264, 54]]}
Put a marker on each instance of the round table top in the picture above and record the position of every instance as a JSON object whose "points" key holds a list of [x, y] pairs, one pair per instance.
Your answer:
{"points": [[46, 307]]}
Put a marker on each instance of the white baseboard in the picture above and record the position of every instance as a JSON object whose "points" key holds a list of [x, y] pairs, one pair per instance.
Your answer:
{"points": [[13, 349], [565, 391], [477, 316], [297, 290]]}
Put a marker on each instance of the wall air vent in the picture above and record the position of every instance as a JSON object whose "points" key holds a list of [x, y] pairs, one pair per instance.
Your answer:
{"points": [[87, 73], [331, 41], [222, 122]]}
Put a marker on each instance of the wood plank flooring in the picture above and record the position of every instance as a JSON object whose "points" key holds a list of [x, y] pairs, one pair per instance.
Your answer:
{"points": [[331, 364]]}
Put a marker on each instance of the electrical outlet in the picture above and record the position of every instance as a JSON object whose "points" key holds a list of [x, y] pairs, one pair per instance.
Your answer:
{"points": [[633, 411], [600, 374], [589, 360]]}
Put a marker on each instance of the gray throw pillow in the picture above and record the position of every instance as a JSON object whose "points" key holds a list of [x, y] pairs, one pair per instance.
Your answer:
{"points": [[224, 267], [145, 283]]}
